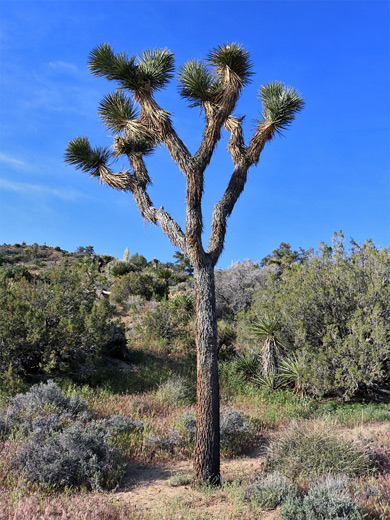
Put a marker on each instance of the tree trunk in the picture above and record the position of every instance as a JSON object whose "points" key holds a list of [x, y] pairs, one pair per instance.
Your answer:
{"points": [[206, 463]]}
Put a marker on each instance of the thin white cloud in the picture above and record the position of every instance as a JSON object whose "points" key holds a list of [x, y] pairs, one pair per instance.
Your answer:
{"points": [[63, 66], [25, 188], [13, 161]]}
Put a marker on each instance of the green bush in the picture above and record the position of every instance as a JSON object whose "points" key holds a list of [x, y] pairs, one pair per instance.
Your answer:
{"points": [[292, 509], [52, 324], [176, 391], [334, 310], [119, 268], [137, 284], [169, 318], [304, 452]]}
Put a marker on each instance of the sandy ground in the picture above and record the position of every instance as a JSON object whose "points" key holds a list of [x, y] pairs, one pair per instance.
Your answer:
{"points": [[148, 488], [145, 486]]}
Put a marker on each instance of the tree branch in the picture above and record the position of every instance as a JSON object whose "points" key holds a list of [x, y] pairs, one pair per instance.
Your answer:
{"points": [[264, 132], [217, 114], [155, 125], [223, 209], [148, 211], [236, 185], [243, 159]]}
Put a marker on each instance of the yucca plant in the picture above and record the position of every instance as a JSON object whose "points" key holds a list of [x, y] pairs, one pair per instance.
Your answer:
{"points": [[248, 364], [292, 372], [139, 124], [270, 381], [267, 330]]}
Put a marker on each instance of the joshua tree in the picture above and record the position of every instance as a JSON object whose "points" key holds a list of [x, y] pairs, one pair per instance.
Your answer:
{"points": [[213, 86]]}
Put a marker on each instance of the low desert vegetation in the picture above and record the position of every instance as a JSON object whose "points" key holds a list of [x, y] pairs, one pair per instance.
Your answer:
{"points": [[98, 382]]}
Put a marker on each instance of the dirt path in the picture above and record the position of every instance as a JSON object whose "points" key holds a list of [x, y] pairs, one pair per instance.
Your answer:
{"points": [[144, 486]]}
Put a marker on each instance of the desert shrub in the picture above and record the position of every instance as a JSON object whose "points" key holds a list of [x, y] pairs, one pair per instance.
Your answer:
{"points": [[80, 506], [16, 272], [334, 311], [137, 284], [283, 257], [169, 318], [373, 496], [304, 452], [120, 424], [61, 445], [186, 344], [119, 268], [79, 455], [270, 491], [44, 408], [292, 509], [160, 322], [47, 394], [52, 324], [234, 287], [167, 442], [175, 391], [325, 501], [235, 429], [138, 261], [188, 425]]}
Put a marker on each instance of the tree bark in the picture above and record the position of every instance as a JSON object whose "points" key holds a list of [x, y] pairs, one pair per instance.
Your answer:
{"points": [[206, 456]]}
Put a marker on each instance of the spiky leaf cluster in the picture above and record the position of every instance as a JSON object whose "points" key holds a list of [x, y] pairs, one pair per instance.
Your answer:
{"points": [[280, 104], [266, 326], [82, 156], [234, 57], [196, 83], [115, 110], [103, 62], [154, 69], [131, 144]]}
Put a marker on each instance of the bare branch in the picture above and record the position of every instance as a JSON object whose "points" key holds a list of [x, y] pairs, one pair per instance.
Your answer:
{"points": [[119, 181], [216, 115], [172, 229], [236, 145], [236, 185], [155, 124], [223, 209], [264, 132], [243, 158], [148, 211]]}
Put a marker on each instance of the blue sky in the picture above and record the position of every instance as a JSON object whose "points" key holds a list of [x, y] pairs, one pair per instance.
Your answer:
{"points": [[329, 172]]}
